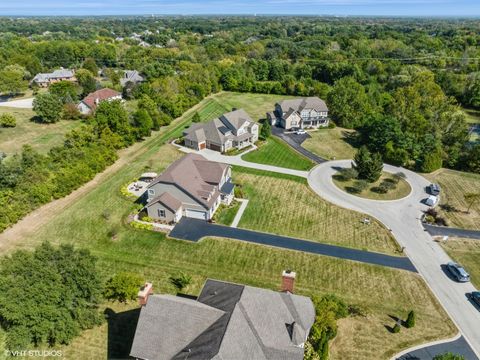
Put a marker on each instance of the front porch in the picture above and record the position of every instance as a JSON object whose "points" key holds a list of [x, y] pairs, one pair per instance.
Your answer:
{"points": [[314, 123]]}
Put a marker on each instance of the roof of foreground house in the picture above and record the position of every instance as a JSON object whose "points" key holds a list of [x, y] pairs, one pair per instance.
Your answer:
{"points": [[167, 200], [99, 95], [303, 103], [220, 129], [244, 323], [196, 175]]}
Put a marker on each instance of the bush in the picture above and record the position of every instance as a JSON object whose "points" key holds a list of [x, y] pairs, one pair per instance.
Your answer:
{"points": [[448, 356], [123, 287], [348, 174], [48, 107], [410, 322], [181, 281], [8, 120], [71, 112], [359, 185], [140, 226], [331, 125], [396, 329]]}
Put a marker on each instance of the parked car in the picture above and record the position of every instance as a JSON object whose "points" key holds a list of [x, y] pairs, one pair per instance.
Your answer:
{"points": [[475, 297], [458, 272], [434, 189], [431, 200], [300, 132]]}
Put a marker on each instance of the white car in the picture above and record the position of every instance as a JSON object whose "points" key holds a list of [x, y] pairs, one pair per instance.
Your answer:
{"points": [[300, 132], [431, 200]]}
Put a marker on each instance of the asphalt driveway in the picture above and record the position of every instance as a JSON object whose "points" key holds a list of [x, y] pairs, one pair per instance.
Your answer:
{"points": [[194, 230], [448, 231], [457, 347]]}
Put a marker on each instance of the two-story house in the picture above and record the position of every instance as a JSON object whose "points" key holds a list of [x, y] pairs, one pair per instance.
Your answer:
{"points": [[303, 113], [192, 186], [233, 130]]}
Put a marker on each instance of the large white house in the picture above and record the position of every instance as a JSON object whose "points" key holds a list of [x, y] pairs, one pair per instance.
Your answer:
{"points": [[310, 112]]}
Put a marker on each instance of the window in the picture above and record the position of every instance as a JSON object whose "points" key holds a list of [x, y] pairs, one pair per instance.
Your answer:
{"points": [[293, 123], [151, 192], [161, 213]]}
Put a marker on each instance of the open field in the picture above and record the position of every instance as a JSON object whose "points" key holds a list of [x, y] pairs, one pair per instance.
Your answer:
{"points": [[285, 205], [42, 137], [401, 190], [331, 143], [380, 291], [454, 185], [467, 253], [278, 153]]}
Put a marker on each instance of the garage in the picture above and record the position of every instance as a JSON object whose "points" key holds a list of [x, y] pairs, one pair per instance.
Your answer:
{"points": [[196, 214]]}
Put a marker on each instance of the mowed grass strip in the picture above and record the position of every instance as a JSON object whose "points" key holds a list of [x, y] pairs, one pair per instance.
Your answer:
{"points": [[467, 253], [277, 153], [455, 184], [285, 205], [226, 213], [331, 143]]}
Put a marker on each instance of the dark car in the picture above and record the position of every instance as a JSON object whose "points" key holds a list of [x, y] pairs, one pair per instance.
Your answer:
{"points": [[458, 272], [434, 189], [475, 297]]}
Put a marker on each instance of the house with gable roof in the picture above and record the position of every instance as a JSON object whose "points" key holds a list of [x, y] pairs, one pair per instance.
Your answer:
{"points": [[303, 113]]}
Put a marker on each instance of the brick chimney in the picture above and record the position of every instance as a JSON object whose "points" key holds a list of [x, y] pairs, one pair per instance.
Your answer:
{"points": [[288, 280], [145, 291]]}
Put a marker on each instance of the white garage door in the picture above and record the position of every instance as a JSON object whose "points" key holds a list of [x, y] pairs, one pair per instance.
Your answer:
{"points": [[196, 214]]}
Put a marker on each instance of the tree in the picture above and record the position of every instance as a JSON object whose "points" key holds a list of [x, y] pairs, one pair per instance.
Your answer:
{"points": [[65, 90], [86, 81], [348, 103], [113, 75], [196, 117], [369, 167], [471, 93], [146, 103], [123, 287], [90, 65], [431, 160], [181, 281], [49, 295], [471, 199], [410, 322], [12, 79], [448, 356], [8, 120], [48, 107], [266, 130], [143, 122], [113, 116]]}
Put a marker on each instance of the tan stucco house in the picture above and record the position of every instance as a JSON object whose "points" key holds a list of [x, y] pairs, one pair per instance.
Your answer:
{"points": [[303, 113], [233, 130], [192, 186]]}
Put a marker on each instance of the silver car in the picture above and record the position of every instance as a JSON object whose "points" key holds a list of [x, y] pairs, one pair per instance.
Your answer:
{"points": [[458, 272]]}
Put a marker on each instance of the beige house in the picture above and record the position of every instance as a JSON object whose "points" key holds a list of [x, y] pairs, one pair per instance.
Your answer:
{"points": [[303, 113], [90, 103], [45, 79], [233, 130], [192, 187]]}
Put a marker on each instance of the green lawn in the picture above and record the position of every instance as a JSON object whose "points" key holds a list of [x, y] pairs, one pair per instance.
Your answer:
{"points": [[225, 214], [380, 291], [331, 143], [276, 152], [401, 190], [286, 205], [467, 253], [42, 137], [455, 184]]}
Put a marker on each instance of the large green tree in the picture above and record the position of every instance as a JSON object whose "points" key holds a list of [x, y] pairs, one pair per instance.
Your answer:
{"points": [[86, 81], [48, 107], [12, 79], [65, 90], [48, 296], [368, 166]]}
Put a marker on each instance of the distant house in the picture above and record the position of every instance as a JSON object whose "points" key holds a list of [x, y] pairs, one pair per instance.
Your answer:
{"points": [[234, 130], [303, 113], [227, 321], [131, 76], [89, 104], [45, 79], [192, 187]]}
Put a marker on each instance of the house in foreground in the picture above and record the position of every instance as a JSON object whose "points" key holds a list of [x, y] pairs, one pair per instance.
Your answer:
{"points": [[303, 113], [233, 130], [131, 76], [90, 103], [192, 186], [227, 321], [45, 79]]}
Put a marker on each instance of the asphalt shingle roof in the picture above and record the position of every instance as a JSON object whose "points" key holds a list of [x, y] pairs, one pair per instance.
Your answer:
{"points": [[303, 103]]}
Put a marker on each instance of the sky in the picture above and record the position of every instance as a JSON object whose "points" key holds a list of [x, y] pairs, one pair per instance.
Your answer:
{"points": [[283, 7]]}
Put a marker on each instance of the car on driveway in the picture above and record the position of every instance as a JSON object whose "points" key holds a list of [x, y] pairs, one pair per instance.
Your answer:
{"points": [[300, 132], [431, 200], [458, 272], [475, 297], [434, 189]]}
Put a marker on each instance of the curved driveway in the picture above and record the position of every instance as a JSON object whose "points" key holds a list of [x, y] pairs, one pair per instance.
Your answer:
{"points": [[402, 217]]}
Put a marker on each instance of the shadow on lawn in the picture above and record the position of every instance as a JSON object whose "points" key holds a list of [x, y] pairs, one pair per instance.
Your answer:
{"points": [[121, 330]]}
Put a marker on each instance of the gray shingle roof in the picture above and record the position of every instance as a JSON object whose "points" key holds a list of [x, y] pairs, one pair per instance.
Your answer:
{"points": [[56, 74], [131, 76], [168, 201], [255, 324], [303, 103]]}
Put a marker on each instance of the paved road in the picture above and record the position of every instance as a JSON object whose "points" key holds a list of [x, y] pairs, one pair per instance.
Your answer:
{"points": [[459, 347], [443, 230], [296, 141], [194, 230], [19, 104], [403, 218]]}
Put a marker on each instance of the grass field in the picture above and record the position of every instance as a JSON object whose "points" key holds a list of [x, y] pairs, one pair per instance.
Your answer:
{"points": [[225, 214], [380, 291], [275, 152], [467, 253], [41, 137], [331, 143], [401, 190], [454, 185], [285, 205]]}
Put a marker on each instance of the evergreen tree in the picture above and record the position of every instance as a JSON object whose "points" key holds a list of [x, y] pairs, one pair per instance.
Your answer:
{"points": [[410, 322], [196, 117], [266, 130], [369, 167]]}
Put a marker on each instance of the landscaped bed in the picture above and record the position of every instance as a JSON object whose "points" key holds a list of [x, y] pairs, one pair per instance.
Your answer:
{"points": [[226, 213], [394, 185]]}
